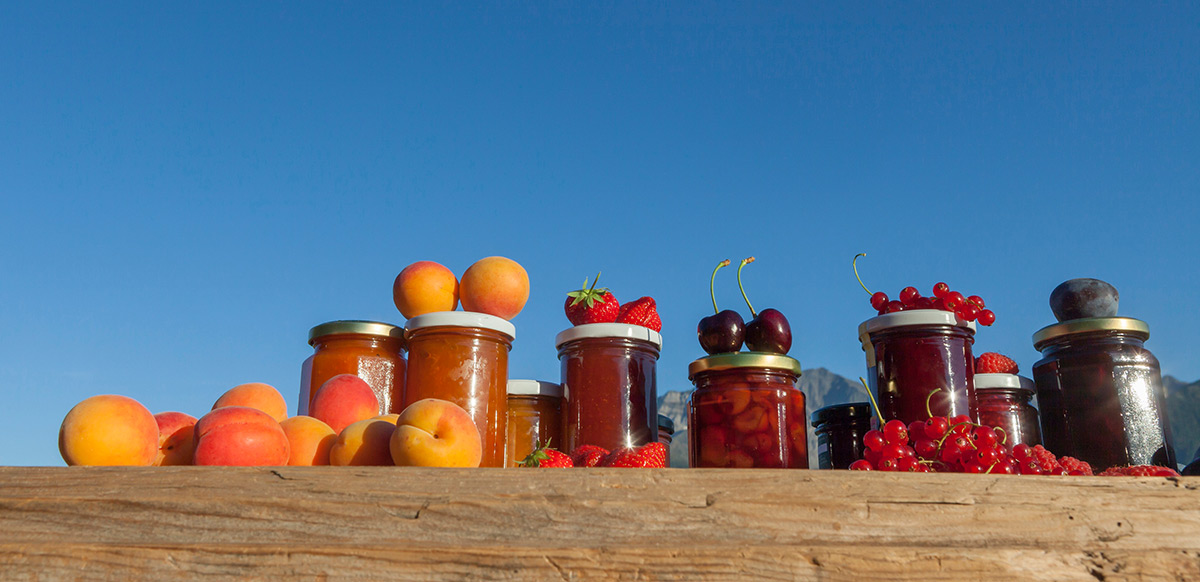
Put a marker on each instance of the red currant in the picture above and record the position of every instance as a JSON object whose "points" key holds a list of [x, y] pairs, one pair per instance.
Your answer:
{"points": [[893, 306], [879, 300], [952, 300], [936, 427], [940, 290], [895, 432], [861, 465], [977, 300], [986, 317], [909, 295], [874, 440]]}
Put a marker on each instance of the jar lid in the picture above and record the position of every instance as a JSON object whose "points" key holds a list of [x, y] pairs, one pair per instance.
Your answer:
{"points": [[1001, 381], [744, 360], [534, 388], [850, 411], [665, 423], [1130, 325], [462, 319], [913, 317], [614, 330], [359, 327]]}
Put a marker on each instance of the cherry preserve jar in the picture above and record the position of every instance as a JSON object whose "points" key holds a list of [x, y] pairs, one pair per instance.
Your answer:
{"points": [[840, 429], [370, 350], [1005, 403], [1100, 394], [746, 412], [919, 363], [534, 417]]}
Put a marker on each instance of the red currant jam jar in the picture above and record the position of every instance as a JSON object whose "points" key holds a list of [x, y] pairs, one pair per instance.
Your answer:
{"points": [[609, 380], [1100, 394], [746, 412], [919, 363], [840, 429], [1004, 402]]}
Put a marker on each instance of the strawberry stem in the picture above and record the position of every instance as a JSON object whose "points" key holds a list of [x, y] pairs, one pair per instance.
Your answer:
{"points": [[854, 265], [745, 261], [712, 282]]}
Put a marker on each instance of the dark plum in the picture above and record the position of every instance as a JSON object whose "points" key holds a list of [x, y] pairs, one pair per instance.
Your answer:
{"points": [[723, 331], [769, 331], [1079, 298]]}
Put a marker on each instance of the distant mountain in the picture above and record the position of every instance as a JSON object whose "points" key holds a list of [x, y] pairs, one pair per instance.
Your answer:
{"points": [[1183, 411]]}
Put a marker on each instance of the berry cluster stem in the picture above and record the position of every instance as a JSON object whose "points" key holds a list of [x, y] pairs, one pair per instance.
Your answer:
{"points": [[854, 265], [878, 412]]}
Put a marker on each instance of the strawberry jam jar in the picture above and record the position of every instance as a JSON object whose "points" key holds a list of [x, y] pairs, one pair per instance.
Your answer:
{"points": [[746, 412], [462, 357], [1100, 394], [919, 363], [609, 378], [370, 350], [534, 417], [1005, 403], [839, 430]]}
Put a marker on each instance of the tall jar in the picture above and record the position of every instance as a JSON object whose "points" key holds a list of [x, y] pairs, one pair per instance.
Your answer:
{"points": [[839, 429], [462, 357], [1005, 402], [1100, 394], [534, 417], [746, 412], [609, 378], [919, 363], [370, 350]]}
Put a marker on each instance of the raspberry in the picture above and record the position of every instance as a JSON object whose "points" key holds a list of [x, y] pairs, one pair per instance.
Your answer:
{"points": [[994, 363], [1046, 460], [1075, 466], [1139, 471]]}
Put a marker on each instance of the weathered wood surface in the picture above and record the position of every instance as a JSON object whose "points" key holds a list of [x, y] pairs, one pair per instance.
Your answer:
{"points": [[388, 523]]}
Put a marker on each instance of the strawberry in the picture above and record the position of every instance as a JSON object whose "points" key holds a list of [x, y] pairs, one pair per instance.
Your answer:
{"points": [[545, 457], [641, 311], [994, 363], [648, 456], [591, 305], [588, 455], [1140, 471]]}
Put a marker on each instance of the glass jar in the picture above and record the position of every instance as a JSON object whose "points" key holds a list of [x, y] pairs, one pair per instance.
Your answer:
{"points": [[534, 418], [746, 412], [919, 363], [666, 433], [462, 357], [1005, 403], [839, 430], [609, 378], [370, 350], [1100, 394]]}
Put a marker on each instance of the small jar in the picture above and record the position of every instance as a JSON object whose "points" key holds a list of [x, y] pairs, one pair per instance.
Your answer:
{"points": [[462, 357], [1100, 394], [370, 350], [919, 363], [840, 429], [1005, 403], [746, 412], [666, 433], [534, 418], [609, 378]]}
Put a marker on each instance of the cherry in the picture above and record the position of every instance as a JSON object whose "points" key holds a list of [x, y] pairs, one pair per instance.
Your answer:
{"points": [[769, 331], [723, 331]]}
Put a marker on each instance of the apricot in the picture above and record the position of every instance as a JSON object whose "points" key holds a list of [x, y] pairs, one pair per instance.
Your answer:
{"points": [[425, 287], [366, 442], [342, 400], [436, 433], [240, 436], [309, 440], [176, 438], [255, 395], [496, 286], [108, 430]]}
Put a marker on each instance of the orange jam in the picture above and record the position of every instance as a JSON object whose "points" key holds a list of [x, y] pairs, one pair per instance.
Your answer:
{"points": [[370, 350], [462, 357], [534, 417]]}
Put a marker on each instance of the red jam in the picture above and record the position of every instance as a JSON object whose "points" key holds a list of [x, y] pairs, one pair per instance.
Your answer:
{"points": [[534, 418], [1004, 402], [370, 350]]}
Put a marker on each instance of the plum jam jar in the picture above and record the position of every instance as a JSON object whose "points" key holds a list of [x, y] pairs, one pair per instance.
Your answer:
{"points": [[746, 412], [919, 363], [1100, 394], [370, 350], [610, 384], [839, 430], [534, 417], [462, 357], [1005, 402]]}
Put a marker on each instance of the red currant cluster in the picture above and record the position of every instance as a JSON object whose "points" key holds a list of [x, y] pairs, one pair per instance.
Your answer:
{"points": [[967, 308]]}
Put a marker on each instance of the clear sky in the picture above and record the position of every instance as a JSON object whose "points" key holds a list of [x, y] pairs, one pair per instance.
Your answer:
{"points": [[187, 189]]}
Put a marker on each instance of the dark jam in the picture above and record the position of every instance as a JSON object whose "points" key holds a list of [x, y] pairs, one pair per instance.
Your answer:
{"points": [[1100, 393], [747, 413], [840, 429], [1005, 404]]}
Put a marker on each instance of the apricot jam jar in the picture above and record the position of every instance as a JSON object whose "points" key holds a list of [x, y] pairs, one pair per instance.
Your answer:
{"points": [[370, 350], [919, 363], [609, 378], [1005, 403], [1100, 394], [746, 412], [839, 429], [534, 417], [462, 356]]}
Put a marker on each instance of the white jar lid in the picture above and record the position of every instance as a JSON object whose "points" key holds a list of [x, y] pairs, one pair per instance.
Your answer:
{"points": [[462, 319], [1007, 381], [913, 317], [612, 330], [534, 388]]}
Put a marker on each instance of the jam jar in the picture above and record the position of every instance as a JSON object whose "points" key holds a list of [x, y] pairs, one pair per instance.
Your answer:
{"points": [[1100, 394], [462, 356], [370, 350], [534, 417], [746, 412], [919, 363], [609, 378], [1005, 403], [839, 429], [666, 433]]}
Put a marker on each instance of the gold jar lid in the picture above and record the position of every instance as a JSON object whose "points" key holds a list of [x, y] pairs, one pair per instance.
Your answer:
{"points": [[733, 360], [373, 328], [1091, 324]]}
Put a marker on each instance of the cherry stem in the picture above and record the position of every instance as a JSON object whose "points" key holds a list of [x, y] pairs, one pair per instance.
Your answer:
{"points": [[878, 412], [712, 282], [745, 261], [854, 264]]}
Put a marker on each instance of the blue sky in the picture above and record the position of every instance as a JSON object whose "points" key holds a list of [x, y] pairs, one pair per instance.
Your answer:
{"points": [[189, 188]]}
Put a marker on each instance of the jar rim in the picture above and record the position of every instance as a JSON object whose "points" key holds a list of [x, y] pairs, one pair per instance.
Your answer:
{"points": [[534, 388], [733, 360], [461, 319], [608, 330], [355, 326], [913, 317], [842, 412], [1135, 327]]}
